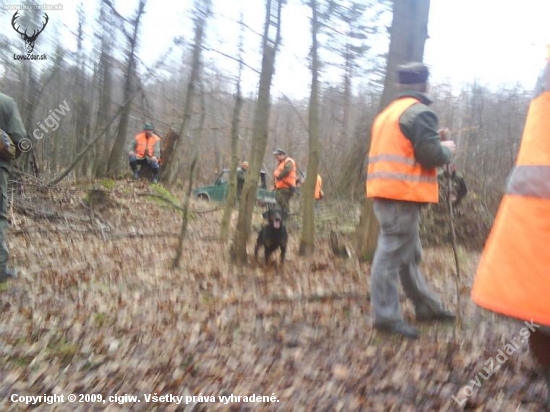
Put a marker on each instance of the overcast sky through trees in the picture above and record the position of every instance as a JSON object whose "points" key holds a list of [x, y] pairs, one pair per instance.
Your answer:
{"points": [[494, 41]]}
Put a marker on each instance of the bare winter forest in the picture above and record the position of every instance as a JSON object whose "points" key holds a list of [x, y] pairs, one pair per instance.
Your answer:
{"points": [[139, 289]]}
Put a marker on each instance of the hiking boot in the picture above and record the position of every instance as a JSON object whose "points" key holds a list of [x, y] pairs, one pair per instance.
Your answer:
{"points": [[442, 315], [8, 274], [155, 176], [398, 328]]}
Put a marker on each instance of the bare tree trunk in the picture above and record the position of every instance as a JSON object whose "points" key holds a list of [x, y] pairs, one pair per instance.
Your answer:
{"points": [[129, 87], [33, 97], [407, 38], [82, 98], [307, 241], [171, 163], [261, 126], [106, 93], [232, 194], [185, 219], [347, 102], [408, 35], [366, 233]]}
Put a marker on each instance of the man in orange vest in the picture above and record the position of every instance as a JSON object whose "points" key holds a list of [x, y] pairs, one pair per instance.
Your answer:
{"points": [[406, 148], [144, 150], [285, 180], [318, 192], [513, 277]]}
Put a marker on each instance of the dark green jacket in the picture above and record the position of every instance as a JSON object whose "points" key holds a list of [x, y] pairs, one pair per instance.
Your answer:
{"points": [[241, 174], [419, 124], [10, 121]]}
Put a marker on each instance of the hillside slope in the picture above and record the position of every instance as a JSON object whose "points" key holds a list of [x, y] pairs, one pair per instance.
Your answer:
{"points": [[97, 310]]}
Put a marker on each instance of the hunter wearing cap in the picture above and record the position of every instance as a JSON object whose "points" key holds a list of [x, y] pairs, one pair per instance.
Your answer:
{"points": [[285, 180], [144, 151], [406, 149], [241, 176]]}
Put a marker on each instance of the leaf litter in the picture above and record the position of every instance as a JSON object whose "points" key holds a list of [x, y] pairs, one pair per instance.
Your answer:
{"points": [[98, 310]]}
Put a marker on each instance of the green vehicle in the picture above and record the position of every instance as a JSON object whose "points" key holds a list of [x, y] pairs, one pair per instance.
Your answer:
{"points": [[218, 191]]}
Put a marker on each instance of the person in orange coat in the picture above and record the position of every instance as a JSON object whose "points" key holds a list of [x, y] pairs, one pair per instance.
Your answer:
{"points": [[406, 148], [285, 180], [319, 194], [144, 150], [513, 276]]}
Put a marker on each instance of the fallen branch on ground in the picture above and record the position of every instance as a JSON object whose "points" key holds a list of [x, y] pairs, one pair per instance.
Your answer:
{"points": [[178, 207]]}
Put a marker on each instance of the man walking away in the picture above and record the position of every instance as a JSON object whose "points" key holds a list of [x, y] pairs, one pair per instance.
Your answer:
{"points": [[405, 151]]}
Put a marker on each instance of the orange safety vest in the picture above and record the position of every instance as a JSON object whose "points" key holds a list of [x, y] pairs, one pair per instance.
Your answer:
{"points": [[145, 146], [290, 179], [318, 188], [393, 172], [513, 276]]}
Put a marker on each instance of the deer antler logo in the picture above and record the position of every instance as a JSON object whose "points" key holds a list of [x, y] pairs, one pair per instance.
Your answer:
{"points": [[29, 40]]}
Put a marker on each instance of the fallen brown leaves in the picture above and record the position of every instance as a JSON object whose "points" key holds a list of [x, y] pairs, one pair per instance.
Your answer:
{"points": [[98, 311]]}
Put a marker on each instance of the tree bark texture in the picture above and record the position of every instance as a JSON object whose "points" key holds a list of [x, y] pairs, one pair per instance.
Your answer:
{"points": [[408, 34], [307, 240], [171, 162], [271, 41]]}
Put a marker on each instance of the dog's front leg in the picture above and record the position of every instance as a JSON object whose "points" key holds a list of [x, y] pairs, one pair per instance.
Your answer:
{"points": [[257, 247], [283, 253]]}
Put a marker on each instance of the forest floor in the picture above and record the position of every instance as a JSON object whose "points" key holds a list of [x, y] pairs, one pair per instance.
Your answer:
{"points": [[97, 309]]}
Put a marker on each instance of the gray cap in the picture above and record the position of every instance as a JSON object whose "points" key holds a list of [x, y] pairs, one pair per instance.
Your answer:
{"points": [[412, 73], [279, 152]]}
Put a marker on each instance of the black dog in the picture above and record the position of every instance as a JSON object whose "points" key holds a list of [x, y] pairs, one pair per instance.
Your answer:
{"points": [[273, 236]]}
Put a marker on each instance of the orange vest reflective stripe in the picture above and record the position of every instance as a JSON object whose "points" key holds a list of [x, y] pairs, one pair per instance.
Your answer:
{"points": [[318, 186], [145, 146], [290, 179], [393, 172], [513, 276]]}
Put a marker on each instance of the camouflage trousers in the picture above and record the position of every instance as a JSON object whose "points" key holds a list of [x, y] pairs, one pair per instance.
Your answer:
{"points": [[282, 197], [398, 254], [4, 255]]}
